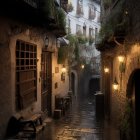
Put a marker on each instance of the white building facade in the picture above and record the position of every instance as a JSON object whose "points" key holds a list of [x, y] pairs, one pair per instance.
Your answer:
{"points": [[85, 18]]}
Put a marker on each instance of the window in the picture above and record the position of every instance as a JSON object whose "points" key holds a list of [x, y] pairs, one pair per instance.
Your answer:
{"points": [[96, 33], [92, 12], [26, 68], [78, 30], [84, 30], [91, 35], [79, 7], [91, 32]]}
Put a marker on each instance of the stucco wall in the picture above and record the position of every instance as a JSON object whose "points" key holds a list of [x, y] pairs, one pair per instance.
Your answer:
{"points": [[5, 78], [62, 86], [9, 33], [5, 88]]}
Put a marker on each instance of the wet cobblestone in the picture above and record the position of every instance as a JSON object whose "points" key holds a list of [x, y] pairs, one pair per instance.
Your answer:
{"points": [[79, 123]]}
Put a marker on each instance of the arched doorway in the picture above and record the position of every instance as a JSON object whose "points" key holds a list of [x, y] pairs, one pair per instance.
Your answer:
{"points": [[133, 92]]}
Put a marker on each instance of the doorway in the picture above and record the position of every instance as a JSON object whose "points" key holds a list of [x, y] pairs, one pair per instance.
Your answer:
{"points": [[133, 92], [46, 82]]}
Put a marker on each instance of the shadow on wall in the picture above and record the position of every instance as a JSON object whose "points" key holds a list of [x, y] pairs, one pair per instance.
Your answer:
{"points": [[13, 127]]}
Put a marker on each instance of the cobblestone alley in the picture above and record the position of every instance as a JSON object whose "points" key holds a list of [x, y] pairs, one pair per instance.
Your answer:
{"points": [[79, 123]]}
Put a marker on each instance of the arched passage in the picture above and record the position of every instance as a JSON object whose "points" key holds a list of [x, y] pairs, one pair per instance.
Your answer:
{"points": [[133, 92]]}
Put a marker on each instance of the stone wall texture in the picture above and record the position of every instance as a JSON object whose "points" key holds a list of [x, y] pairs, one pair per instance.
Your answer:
{"points": [[131, 49]]}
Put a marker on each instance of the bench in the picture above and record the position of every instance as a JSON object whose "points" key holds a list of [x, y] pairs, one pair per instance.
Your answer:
{"points": [[32, 123]]}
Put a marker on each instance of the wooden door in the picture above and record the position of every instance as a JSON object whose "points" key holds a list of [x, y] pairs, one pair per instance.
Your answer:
{"points": [[46, 81]]}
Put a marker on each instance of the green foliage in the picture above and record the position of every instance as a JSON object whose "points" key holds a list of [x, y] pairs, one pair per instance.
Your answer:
{"points": [[61, 18], [91, 40], [76, 52], [47, 8], [72, 39], [107, 3], [82, 39], [126, 125], [113, 21], [62, 54]]}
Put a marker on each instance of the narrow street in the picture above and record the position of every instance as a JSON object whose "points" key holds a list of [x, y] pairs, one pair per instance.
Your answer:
{"points": [[79, 123]]}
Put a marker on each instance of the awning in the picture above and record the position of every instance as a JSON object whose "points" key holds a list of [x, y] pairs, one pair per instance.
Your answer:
{"points": [[63, 41]]}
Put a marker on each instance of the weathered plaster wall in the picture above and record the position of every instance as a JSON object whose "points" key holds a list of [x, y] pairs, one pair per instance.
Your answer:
{"points": [[5, 79], [62, 86], [25, 36], [118, 98]]}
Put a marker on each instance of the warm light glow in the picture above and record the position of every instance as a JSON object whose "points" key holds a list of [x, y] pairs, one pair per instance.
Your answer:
{"points": [[121, 58], [63, 69], [82, 66], [115, 85], [106, 70]]}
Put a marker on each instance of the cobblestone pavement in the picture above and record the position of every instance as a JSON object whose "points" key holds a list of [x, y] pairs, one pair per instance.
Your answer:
{"points": [[79, 123]]}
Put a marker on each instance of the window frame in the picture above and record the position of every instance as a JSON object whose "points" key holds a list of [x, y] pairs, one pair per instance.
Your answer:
{"points": [[26, 74]]}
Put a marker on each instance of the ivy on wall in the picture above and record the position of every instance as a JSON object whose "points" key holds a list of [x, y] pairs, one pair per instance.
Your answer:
{"points": [[115, 22], [62, 54], [126, 123]]}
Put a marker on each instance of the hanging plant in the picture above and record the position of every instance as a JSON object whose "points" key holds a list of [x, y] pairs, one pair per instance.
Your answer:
{"points": [[76, 52], [113, 21], [47, 8], [72, 39], [62, 54], [61, 18]]}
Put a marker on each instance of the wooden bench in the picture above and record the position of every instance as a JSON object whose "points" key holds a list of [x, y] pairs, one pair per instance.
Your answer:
{"points": [[32, 123]]}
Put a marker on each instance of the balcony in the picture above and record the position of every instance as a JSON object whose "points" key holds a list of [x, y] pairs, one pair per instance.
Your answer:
{"points": [[114, 27], [36, 13]]}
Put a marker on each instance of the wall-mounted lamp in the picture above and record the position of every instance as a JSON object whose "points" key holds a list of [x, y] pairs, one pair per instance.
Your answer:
{"points": [[46, 41], [63, 73], [121, 59], [82, 66], [115, 84], [106, 70]]}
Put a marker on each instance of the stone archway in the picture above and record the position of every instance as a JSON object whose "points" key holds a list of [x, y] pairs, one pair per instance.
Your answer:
{"points": [[133, 93]]}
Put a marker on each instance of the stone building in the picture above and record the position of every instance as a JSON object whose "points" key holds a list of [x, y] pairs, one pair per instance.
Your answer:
{"points": [[119, 43], [83, 21], [30, 75]]}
